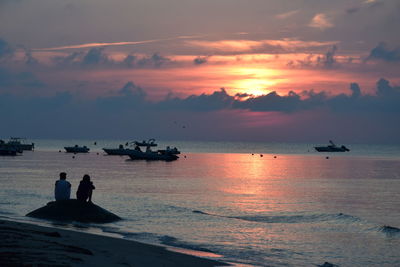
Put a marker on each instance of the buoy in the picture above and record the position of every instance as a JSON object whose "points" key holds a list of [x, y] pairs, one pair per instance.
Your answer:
{"points": [[59, 150], [327, 157], [73, 157], [184, 156], [252, 154], [274, 157], [97, 153], [261, 155]]}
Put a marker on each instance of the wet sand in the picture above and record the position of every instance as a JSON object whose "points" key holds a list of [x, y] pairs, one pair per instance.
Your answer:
{"points": [[25, 244]]}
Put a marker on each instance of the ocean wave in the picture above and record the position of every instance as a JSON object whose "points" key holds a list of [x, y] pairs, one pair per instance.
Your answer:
{"points": [[155, 238], [174, 242], [307, 218]]}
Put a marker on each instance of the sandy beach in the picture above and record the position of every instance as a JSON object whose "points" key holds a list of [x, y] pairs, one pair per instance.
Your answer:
{"points": [[25, 244]]}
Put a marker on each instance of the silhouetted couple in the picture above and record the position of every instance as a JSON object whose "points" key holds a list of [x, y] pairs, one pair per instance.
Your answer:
{"points": [[62, 189]]}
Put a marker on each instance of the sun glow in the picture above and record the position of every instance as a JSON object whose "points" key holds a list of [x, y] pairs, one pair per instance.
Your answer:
{"points": [[254, 81]]}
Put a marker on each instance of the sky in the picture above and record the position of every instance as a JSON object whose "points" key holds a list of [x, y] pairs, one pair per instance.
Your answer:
{"points": [[221, 70]]}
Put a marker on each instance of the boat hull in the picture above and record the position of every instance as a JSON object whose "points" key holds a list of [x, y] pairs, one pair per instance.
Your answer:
{"points": [[7, 152], [117, 151], [138, 155], [331, 149], [76, 149]]}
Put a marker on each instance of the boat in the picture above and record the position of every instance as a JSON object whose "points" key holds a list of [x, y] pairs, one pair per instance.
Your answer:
{"points": [[76, 149], [18, 143], [8, 150], [331, 148], [168, 154], [120, 151]]}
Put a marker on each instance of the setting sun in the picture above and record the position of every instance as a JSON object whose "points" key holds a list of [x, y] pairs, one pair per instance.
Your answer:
{"points": [[254, 81]]}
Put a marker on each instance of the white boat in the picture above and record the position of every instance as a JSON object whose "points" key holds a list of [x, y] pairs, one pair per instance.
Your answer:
{"points": [[168, 154]]}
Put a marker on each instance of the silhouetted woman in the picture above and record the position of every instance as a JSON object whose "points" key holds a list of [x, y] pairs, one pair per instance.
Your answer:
{"points": [[85, 189]]}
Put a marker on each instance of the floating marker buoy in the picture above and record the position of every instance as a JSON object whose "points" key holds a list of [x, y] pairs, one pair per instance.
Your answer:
{"points": [[261, 155], [274, 157], [59, 150], [184, 157], [73, 157], [327, 157], [252, 154], [97, 153]]}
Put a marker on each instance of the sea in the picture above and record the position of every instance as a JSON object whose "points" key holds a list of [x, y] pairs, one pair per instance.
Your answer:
{"points": [[248, 204]]}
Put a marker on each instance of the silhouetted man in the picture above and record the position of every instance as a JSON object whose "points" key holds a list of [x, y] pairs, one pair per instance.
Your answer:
{"points": [[62, 190]]}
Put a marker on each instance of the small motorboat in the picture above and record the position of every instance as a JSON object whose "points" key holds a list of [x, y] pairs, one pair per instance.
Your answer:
{"points": [[76, 149], [9, 150], [18, 143], [331, 148], [168, 154]]}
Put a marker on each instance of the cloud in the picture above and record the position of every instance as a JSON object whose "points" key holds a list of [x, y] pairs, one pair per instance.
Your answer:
{"points": [[321, 21], [326, 61], [218, 100], [284, 45], [219, 115], [130, 96], [287, 15], [95, 56], [382, 52], [155, 60], [329, 60], [11, 80], [200, 60], [353, 10]]}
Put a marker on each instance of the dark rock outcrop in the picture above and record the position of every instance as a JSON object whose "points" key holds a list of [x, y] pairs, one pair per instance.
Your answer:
{"points": [[74, 210]]}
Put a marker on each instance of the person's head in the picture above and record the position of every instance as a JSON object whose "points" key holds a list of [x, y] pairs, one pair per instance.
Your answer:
{"points": [[63, 176], [86, 178]]}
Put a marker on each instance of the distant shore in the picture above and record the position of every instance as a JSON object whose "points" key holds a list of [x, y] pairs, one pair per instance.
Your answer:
{"points": [[24, 244]]}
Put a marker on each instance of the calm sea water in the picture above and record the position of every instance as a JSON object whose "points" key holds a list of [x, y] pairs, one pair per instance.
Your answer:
{"points": [[290, 207]]}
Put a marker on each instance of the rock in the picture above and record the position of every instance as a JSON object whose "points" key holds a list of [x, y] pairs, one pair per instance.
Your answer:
{"points": [[74, 210], [327, 264]]}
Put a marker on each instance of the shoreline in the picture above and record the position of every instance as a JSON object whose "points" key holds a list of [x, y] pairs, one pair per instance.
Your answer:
{"points": [[25, 244]]}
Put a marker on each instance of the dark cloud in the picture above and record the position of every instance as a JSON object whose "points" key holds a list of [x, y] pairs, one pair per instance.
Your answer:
{"points": [[353, 10], [329, 60], [200, 60], [10, 80], [130, 96], [129, 112], [155, 60], [326, 61], [95, 56], [383, 52], [204, 102]]}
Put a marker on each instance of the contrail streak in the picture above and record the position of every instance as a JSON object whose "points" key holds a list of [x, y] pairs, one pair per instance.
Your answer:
{"points": [[88, 45]]}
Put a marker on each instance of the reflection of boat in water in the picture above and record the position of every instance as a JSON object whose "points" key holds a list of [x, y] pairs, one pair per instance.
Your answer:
{"points": [[17, 142], [8, 150], [168, 154], [331, 148], [76, 149]]}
